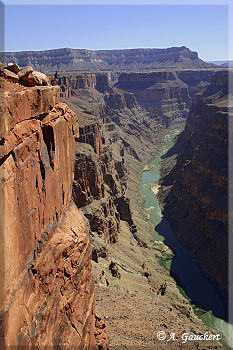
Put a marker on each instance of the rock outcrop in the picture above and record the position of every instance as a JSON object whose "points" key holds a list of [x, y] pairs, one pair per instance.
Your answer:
{"points": [[94, 189], [194, 192], [47, 294], [75, 60], [25, 76]]}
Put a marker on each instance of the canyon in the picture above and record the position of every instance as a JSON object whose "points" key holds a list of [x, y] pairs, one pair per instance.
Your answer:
{"points": [[194, 186], [116, 266], [78, 249]]}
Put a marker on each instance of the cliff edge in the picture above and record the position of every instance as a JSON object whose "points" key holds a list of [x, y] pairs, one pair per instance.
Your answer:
{"points": [[47, 294]]}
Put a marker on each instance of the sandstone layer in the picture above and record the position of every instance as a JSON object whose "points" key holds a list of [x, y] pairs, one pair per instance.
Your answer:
{"points": [[194, 185], [47, 294]]}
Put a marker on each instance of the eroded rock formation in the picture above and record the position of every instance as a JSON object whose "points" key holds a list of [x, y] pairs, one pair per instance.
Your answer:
{"points": [[107, 118], [47, 294], [161, 93], [194, 193]]}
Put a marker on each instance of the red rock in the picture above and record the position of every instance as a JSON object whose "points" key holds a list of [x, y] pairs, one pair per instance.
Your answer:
{"points": [[25, 71], [26, 77], [161, 93], [48, 291], [13, 68], [10, 75], [41, 78], [196, 204], [101, 336], [54, 305], [25, 104]]}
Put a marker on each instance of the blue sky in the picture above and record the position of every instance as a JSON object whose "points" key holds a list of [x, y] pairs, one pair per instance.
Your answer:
{"points": [[202, 28]]}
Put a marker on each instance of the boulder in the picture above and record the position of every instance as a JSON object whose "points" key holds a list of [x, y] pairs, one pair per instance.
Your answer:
{"points": [[13, 67], [26, 77], [41, 78], [10, 76], [25, 71]]}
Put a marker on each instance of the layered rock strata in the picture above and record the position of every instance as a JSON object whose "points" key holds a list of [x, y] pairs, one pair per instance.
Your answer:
{"points": [[47, 296], [81, 81], [107, 121], [74, 60], [196, 79], [162, 94], [165, 96], [194, 185]]}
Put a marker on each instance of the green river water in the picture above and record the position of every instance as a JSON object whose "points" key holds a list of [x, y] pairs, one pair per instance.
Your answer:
{"points": [[183, 268]]}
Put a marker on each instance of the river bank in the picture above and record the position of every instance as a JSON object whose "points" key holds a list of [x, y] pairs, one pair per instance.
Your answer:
{"points": [[182, 268]]}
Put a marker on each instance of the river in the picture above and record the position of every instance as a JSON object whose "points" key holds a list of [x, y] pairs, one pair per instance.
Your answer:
{"points": [[182, 268]]}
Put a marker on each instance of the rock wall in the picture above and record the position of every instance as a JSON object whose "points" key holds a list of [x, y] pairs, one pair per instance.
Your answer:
{"points": [[161, 93], [96, 187], [81, 81], [197, 80], [47, 298], [194, 193]]}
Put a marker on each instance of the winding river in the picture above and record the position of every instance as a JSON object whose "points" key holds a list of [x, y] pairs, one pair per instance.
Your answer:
{"points": [[182, 268]]}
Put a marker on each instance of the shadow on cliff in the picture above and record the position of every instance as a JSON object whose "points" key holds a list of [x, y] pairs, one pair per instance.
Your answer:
{"points": [[186, 273], [177, 148]]}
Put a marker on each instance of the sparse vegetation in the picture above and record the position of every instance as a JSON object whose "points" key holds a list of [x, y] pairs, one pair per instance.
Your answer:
{"points": [[166, 260]]}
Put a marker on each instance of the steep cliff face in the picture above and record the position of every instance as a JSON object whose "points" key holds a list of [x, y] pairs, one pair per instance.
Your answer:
{"points": [[194, 193], [93, 193], [161, 93], [196, 79], [74, 60], [83, 81], [98, 183], [47, 297]]}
